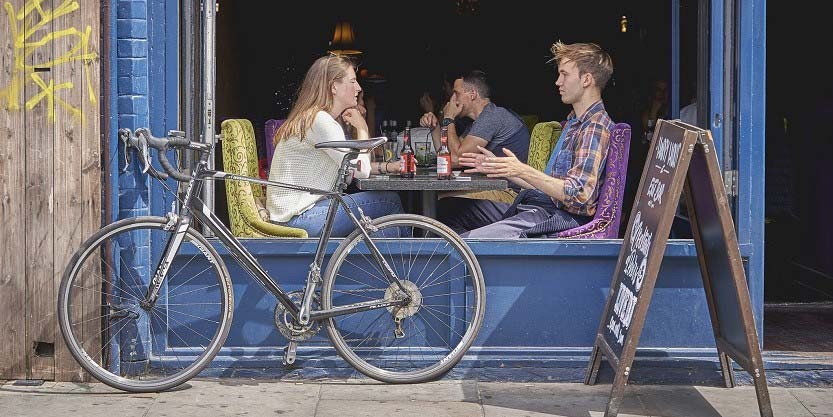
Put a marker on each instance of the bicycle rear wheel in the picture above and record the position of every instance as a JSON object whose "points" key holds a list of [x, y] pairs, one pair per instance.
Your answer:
{"points": [[420, 341], [136, 347]]}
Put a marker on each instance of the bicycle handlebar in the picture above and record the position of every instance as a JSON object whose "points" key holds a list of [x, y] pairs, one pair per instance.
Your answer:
{"points": [[142, 139]]}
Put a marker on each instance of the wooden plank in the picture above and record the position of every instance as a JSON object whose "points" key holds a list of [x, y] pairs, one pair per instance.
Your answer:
{"points": [[66, 71], [12, 194], [39, 138], [91, 159]]}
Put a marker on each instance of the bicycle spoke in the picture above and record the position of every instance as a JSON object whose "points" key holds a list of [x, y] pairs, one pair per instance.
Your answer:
{"points": [[138, 347], [424, 338]]}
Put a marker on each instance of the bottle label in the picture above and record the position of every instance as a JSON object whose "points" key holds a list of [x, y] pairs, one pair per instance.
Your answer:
{"points": [[408, 163], [444, 165]]}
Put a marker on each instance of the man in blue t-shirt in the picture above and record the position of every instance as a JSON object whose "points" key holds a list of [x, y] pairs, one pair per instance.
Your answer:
{"points": [[493, 128]]}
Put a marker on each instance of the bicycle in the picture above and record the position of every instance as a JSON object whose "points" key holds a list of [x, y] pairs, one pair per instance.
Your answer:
{"points": [[394, 312]]}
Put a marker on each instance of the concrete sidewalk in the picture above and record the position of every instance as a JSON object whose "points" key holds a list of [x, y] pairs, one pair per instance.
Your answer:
{"points": [[460, 398]]}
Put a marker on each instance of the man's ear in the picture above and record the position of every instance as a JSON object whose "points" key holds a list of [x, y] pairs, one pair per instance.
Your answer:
{"points": [[587, 80]]}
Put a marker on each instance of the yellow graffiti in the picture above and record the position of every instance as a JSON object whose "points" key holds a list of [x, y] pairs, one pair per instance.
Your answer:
{"points": [[24, 24]]}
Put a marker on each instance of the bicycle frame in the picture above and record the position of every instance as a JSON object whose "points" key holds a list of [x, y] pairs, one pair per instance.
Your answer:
{"points": [[193, 206]]}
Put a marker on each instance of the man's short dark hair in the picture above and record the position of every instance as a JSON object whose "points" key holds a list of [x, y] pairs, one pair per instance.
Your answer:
{"points": [[477, 80]]}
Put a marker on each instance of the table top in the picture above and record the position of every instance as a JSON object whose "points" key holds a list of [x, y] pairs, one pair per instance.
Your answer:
{"points": [[426, 180]]}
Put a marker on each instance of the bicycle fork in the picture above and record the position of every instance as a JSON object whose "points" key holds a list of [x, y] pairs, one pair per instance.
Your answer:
{"points": [[180, 224]]}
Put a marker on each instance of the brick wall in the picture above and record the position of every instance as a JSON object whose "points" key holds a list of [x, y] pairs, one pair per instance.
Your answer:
{"points": [[131, 28]]}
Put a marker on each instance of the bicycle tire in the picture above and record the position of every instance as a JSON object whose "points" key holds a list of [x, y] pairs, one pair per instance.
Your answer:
{"points": [[447, 276], [138, 349]]}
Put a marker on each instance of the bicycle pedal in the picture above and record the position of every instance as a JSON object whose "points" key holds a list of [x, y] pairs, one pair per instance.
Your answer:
{"points": [[289, 353]]}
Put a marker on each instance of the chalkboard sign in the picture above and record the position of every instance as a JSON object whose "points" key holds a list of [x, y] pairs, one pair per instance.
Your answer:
{"points": [[681, 159]]}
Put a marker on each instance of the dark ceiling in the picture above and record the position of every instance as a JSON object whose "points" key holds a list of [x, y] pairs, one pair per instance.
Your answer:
{"points": [[412, 44]]}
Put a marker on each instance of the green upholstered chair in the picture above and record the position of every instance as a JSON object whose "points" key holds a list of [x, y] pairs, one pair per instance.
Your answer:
{"points": [[541, 143], [246, 201], [530, 120]]}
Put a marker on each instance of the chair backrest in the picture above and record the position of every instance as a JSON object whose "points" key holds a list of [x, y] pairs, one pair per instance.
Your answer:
{"points": [[530, 120], [605, 223], [541, 143], [271, 126], [245, 199]]}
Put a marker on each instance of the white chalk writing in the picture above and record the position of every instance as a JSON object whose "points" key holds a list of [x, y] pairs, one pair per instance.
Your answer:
{"points": [[641, 237], [655, 190], [667, 153], [625, 303], [635, 269], [637, 260], [616, 329]]}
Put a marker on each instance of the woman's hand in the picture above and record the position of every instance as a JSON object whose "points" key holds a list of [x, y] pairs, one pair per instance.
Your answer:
{"points": [[392, 167], [355, 119]]}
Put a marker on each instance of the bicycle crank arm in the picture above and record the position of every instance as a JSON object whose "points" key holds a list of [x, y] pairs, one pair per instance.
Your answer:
{"points": [[355, 308]]}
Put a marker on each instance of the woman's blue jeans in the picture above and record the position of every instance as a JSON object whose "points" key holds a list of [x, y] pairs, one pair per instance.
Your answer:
{"points": [[373, 203]]}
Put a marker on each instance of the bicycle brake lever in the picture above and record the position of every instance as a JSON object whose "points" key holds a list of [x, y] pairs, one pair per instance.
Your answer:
{"points": [[143, 148], [124, 136]]}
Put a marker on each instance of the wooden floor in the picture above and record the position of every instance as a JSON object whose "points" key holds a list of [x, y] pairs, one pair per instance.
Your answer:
{"points": [[799, 327]]}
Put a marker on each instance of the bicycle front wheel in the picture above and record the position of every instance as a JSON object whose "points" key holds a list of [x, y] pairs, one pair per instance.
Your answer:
{"points": [[419, 341], [125, 342]]}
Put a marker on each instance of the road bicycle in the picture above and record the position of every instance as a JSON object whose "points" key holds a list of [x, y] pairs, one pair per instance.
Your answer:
{"points": [[146, 303]]}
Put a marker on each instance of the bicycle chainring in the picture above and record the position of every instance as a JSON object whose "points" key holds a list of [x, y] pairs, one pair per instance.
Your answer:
{"points": [[287, 325]]}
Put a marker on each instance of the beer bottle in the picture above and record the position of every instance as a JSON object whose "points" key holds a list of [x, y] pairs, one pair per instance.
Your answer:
{"points": [[408, 159], [444, 157]]}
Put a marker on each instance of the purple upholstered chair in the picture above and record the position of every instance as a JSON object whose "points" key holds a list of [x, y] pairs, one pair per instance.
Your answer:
{"points": [[271, 126], [605, 224]]}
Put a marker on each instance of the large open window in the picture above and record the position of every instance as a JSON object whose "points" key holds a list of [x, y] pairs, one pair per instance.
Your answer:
{"points": [[263, 52]]}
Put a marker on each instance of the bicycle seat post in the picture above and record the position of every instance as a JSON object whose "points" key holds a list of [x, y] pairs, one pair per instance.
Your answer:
{"points": [[344, 171]]}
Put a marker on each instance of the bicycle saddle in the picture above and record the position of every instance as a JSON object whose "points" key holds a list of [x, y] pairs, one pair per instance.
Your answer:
{"points": [[355, 145]]}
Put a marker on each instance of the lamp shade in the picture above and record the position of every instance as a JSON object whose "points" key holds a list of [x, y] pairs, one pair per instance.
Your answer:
{"points": [[344, 40]]}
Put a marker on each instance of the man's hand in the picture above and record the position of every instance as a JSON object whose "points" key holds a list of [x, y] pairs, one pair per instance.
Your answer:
{"points": [[452, 108], [475, 159], [428, 120], [504, 167]]}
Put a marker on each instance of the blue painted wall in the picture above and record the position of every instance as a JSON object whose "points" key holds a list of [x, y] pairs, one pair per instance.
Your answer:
{"points": [[544, 298]]}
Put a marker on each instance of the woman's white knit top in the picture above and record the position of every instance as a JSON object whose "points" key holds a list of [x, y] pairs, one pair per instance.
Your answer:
{"points": [[297, 162]]}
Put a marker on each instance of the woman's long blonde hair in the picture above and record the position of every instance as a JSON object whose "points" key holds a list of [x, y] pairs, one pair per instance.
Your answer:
{"points": [[314, 95]]}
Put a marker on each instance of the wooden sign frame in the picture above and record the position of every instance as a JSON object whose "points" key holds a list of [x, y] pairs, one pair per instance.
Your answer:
{"points": [[681, 159]]}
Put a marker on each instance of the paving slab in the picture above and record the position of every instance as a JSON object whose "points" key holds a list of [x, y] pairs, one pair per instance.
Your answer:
{"points": [[818, 401], [544, 399], [69, 399], [364, 397], [237, 397], [400, 408], [742, 401], [441, 391]]}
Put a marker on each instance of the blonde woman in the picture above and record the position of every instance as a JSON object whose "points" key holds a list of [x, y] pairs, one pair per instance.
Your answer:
{"points": [[328, 93]]}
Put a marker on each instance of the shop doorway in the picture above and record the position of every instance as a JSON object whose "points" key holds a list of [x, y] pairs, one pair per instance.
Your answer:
{"points": [[798, 312]]}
